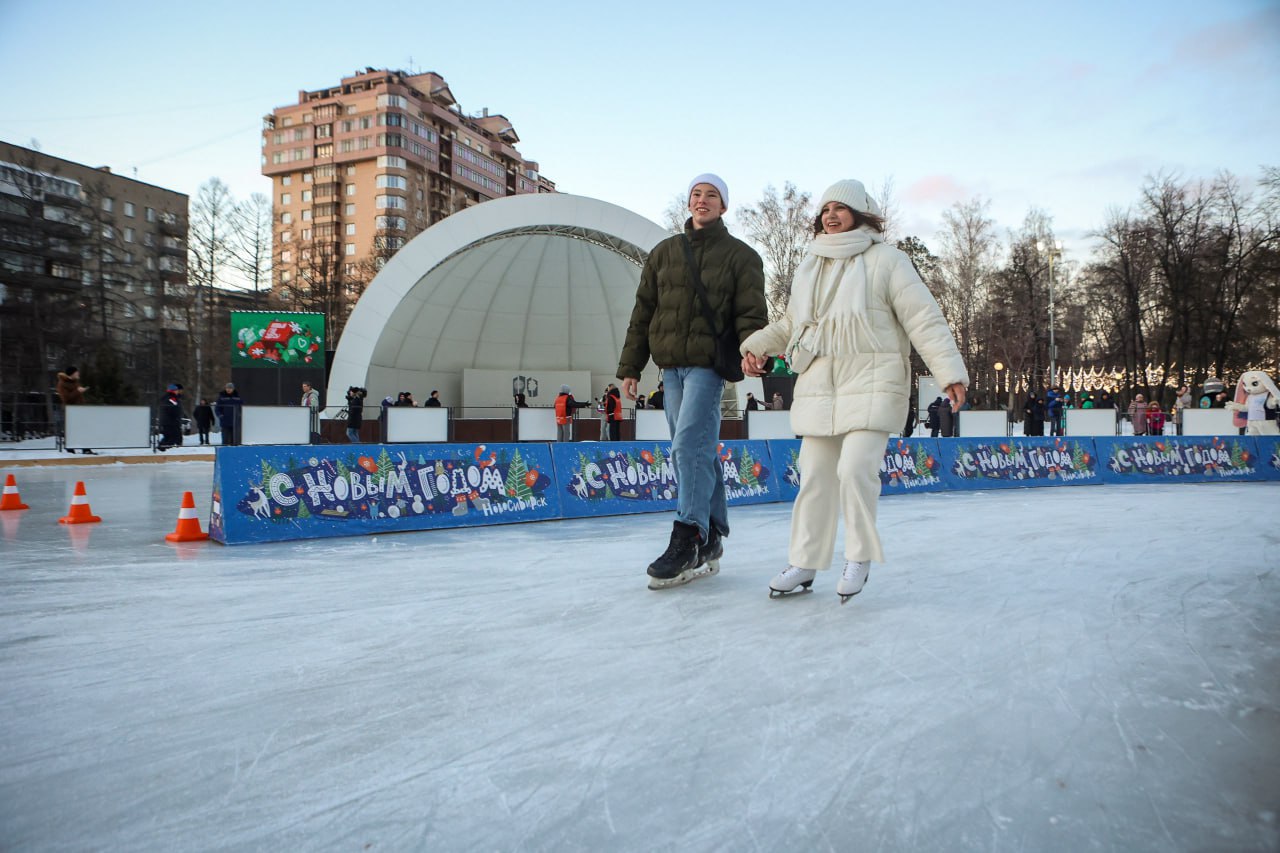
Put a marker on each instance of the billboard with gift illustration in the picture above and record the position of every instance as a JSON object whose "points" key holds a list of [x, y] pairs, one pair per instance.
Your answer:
{"points": [[277, 339]]}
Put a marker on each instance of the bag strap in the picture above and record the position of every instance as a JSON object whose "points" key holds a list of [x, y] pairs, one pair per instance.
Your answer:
{"points": [[696, 276]]}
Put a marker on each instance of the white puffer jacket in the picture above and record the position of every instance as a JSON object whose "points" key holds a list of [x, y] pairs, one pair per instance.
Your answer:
{"points": [[865, 328]]}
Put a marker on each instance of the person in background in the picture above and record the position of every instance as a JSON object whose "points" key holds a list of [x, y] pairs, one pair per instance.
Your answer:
{"points": [[433, 402], [566, 408], [405, 400], [355, 412], [778, 405], [71, 393], [613, 412], [521, 402], [1033, 416], [203, 416], [946, 418], [656, 398], [170, 417], [1106, 399], [753, 405], [1053, 409], [861, 307], [670, 326], [228, 409], [311, 401], [1181, 404], [1138, 414], [1155, 418]]}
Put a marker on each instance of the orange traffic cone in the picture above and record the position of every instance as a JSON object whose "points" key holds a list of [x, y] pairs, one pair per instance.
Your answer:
{"points": [[188, 529], [11, 499], [79, 512]]}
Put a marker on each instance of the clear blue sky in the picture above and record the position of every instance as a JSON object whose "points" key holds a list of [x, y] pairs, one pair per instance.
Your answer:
{"points": [[1065, 107]]}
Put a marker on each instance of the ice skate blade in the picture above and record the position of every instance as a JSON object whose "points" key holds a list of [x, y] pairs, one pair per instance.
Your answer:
{"points": [[800, 589], [687, 576]]}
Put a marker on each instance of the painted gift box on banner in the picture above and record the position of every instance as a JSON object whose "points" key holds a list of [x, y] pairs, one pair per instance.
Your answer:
{"points": [[263, 494], [614, 478]]}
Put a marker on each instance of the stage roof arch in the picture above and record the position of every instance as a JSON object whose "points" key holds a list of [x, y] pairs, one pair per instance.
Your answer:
{"points": [[530, 282]]}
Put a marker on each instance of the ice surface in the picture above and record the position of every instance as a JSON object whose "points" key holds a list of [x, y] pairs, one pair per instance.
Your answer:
{"points": [[1092, 668]]}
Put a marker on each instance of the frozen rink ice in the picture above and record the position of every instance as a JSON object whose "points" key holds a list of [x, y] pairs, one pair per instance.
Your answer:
{"points": [[1054, 669]]}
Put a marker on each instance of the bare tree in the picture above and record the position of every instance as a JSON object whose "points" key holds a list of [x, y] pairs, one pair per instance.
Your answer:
{"points": [[675, 214], [965, 265], [210, 254], [780, 226], [251, 248], [885, 195]]}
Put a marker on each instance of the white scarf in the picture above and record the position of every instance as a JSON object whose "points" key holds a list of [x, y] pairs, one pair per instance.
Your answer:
{"points": [[831, 333]]}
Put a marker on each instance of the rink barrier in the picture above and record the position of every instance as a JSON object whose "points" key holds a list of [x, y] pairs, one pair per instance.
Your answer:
{"points": [[288, 492]]}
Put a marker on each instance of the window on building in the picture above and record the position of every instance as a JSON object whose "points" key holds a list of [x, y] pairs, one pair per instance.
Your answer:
{"points": [[286, 180], [390, 161], [108, 204], [128, 208], [148, 239], [351, 170], [391, 201], [306, 176], [393, 182], [286, 256], [306, 195], [351, 228], [351, 189], [298, 154], [286, 198], [286, 236], [306, 215], [129, 235], [277, 157], [349, 210], [350, 249], [287, 122], [348, 125], [286, 218], [393, 101]]}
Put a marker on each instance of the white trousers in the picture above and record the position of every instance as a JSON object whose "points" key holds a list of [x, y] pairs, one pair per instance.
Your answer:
{"points": [[839, 475]]}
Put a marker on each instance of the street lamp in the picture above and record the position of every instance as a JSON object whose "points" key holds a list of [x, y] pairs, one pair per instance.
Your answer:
{"points": [[999, 365], [1054, 249]]}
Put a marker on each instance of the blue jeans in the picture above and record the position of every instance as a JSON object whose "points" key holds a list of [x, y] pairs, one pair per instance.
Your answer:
{"points": [[693, 416], [353, 435]]}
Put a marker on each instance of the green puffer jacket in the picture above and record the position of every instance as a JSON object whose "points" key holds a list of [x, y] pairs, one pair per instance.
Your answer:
{"points": [[667, 324]]}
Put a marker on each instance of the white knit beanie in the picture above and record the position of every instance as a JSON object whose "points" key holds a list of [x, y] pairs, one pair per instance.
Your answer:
{"points": [[853, 195], [715, 181]]}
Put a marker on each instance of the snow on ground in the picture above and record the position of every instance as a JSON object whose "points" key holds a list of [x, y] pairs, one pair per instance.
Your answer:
{"points": [[1082, 668]]}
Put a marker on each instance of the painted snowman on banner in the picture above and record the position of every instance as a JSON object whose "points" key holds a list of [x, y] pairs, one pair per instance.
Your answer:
{"points": [[1256, 404]]}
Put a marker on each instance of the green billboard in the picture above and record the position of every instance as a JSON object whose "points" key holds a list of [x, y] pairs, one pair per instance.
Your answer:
{"points": [[276, 339]]}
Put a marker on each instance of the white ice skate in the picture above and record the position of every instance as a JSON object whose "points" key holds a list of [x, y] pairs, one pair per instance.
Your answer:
{"points": [[853, 579], [791, 580]]}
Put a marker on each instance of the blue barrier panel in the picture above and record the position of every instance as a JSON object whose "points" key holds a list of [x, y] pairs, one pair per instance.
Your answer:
{"points": [[263, 494], [987, 463], [912, 465], [1188, 458], [618, 477], [1268, 447], [785, 456]]}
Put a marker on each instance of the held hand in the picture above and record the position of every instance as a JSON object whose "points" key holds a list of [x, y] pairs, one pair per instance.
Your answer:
{"points": [[753, 365], [955, 392], [629, 388]]}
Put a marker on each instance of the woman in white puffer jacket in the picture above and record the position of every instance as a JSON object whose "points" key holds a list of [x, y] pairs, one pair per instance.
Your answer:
{"points": [[857, 307]]}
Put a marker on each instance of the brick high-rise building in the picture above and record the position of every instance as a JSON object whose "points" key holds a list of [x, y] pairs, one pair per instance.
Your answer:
{"points": [[360, 168]]}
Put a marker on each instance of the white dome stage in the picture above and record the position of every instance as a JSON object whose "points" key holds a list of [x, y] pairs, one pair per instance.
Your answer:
{"points": [[535, 286]]}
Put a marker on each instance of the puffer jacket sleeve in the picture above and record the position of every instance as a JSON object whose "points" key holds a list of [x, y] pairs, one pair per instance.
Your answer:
{"points": [[771, 340], [926, 328], [635, 350], [750, 308]]}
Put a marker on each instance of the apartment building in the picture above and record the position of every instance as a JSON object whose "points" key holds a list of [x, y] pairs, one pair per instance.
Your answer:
{"points": [[360, 168], [87, 258]]}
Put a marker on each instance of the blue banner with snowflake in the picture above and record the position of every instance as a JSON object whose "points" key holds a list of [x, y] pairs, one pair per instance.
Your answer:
{"points": [[264, 494], [1209, 458], [987, 463], [1268, 456], [614, 478]]}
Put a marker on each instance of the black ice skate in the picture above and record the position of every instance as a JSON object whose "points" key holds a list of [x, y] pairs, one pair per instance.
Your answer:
{"points": [[683, 560]]}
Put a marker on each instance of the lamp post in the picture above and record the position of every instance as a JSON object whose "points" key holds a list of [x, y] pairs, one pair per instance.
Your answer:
{"points": [[999, 365], [1054, 249]]}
